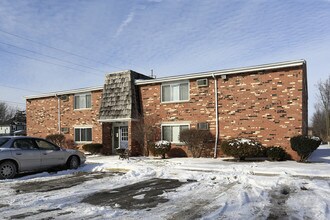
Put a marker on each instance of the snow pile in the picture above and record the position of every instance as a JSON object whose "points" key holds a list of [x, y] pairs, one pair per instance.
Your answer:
{"points": [[161, 144], [236, 141]]}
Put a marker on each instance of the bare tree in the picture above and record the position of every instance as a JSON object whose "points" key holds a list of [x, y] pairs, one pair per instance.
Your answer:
{"points": [[318, 124], [146, 133], [6, 112], [324, 103]]}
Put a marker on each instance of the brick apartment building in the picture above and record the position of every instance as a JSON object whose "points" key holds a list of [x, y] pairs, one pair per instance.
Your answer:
{"points": [[266, 102]]}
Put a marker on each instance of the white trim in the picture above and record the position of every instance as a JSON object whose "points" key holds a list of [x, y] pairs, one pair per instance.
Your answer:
{"points": [[223, 72], [172, 124], [176, 123], [170, 102], [82, 126], [81, 109], [65, 92], [117, 120]]}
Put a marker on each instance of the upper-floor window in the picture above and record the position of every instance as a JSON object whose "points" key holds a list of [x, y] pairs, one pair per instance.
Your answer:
{"points": [[176, 91], [82, 100]]}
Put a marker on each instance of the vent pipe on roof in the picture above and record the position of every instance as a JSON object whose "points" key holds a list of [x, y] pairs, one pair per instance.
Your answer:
{"points": [[216, 116]]}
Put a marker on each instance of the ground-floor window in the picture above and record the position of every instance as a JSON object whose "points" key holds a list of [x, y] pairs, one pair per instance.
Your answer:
{"points": [[171, 132], [83, 134]]}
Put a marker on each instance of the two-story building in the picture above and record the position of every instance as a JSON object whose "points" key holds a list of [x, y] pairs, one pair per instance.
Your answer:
{"points": [[266, 102]]}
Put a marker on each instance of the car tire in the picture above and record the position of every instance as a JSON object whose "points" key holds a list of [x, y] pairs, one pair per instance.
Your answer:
{"points": [[73, 162], [8, 170]]}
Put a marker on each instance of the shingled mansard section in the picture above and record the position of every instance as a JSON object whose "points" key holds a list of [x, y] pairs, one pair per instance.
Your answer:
{"points": [[120, 104]]}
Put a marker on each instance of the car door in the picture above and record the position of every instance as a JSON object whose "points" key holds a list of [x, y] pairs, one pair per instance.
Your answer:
{"points": [[51, 155], [27, 154]]}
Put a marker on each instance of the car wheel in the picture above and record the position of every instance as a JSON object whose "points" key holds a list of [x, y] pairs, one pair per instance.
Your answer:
{"points": [[73, 162], [8, 170]]}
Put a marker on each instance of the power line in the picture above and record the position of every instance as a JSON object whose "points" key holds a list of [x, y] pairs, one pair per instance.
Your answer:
{"points": [[12, 87], [12, 102], [58, 49], [32, 58], [52, 57]]}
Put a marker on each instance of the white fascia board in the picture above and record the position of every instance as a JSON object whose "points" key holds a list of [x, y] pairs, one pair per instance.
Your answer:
{"points": [[117, 120], [65, 92], [223, 72]]}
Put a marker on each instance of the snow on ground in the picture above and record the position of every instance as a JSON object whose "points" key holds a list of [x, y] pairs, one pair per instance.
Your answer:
{"points": [[208, 189]]}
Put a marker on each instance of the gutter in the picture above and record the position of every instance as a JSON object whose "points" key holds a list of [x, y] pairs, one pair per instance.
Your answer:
{"points": [[58, 113], [65, 92], [216, 116], [223, 72]]}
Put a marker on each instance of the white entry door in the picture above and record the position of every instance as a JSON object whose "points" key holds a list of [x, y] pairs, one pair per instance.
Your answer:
{"points": [[123, 139]]}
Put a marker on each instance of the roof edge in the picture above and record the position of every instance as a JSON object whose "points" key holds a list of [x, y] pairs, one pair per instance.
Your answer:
{"points": [[224, 72], [65, 92], [180, 77]]}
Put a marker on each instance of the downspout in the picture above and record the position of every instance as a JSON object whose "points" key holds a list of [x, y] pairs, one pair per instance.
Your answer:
{"points": [[216, 116], [58, 113]]}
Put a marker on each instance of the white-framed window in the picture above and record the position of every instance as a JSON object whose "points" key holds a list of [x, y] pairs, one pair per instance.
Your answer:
{"points": [[175, 92], [83, 134], [82, 100], [124, 133], [171, 132]]}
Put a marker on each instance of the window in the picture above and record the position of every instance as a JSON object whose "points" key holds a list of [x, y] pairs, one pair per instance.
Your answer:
{"points": [[124, 133], [25, 144], [3, 141], [175, 92], [171, 132], [44, 145], [83, 134], [82, 101]]}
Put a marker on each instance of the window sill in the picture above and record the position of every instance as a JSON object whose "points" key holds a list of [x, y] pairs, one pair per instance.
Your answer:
{"points": [[83, 142], [174, 102], [178, 143], [82, 109]]}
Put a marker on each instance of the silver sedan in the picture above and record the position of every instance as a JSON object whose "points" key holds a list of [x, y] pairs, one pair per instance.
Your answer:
{"points": [[24, 154]]}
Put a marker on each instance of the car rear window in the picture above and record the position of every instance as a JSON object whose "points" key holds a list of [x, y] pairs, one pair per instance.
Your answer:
{"points": [[3, 141]]}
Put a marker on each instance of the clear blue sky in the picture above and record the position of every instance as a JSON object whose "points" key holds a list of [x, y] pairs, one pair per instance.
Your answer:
{"points": [[171, 37]]}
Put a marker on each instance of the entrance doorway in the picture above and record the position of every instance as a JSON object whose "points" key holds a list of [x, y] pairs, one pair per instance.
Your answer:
{"points": [[120, 137]]}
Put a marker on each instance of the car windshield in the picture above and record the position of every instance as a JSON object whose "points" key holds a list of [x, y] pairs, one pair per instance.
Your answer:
{"points": [[3, 141]]}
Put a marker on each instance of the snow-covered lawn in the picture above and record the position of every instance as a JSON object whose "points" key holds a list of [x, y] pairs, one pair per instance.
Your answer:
{"points": [[178, 188]]}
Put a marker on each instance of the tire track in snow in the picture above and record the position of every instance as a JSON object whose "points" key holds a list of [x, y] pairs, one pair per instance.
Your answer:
{"points": [[198, 208]]}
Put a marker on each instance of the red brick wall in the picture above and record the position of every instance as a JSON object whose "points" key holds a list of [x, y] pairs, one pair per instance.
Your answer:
{"points": [[42, 116], [106, 138], [200, 108], [270, 106]]}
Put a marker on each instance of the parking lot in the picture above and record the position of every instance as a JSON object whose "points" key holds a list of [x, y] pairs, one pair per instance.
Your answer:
{"points": [[187, 188]]}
